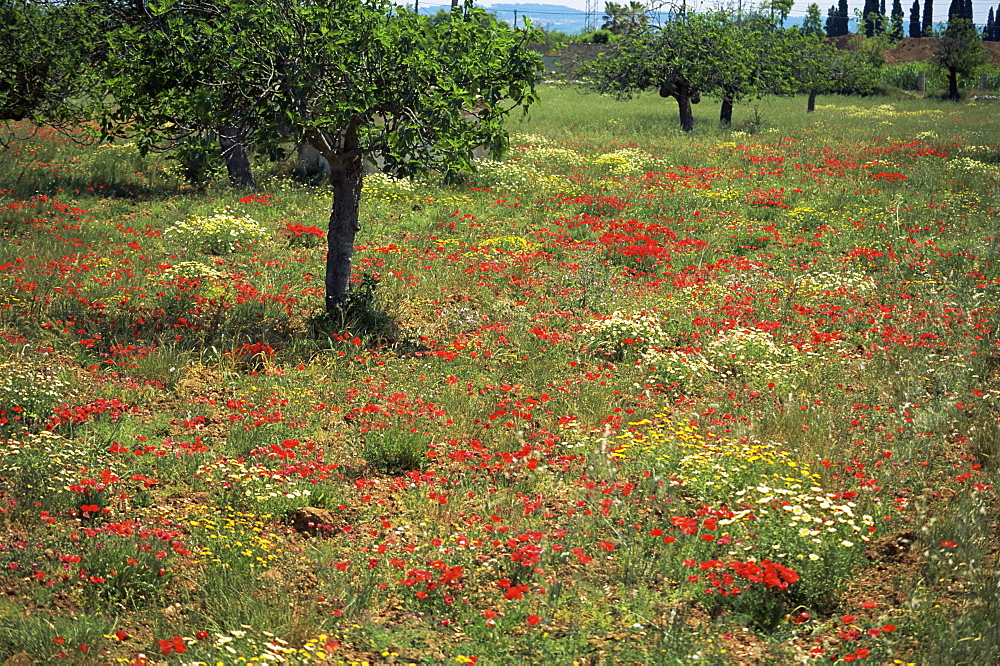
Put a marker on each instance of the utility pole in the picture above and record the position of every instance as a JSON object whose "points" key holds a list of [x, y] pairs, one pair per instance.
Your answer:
{"points": [[590, 19], [515, 15]]}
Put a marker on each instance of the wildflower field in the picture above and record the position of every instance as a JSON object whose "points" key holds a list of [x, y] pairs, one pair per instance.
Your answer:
{"points": [[629, 396]]}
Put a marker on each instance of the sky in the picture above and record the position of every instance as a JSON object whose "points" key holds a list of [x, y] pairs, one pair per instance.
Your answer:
{"points": [[980, 8]]}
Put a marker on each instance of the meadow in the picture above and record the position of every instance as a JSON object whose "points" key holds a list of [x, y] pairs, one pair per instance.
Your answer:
{"points": [[628, 396]]}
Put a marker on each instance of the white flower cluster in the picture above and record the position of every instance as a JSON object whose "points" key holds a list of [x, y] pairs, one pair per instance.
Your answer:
{"points": [[531, 140], [224, 232], [560, 157], [622, 334], [676, 367], [969, 165], [746, 347], [194, 270], [252, 486], [814, 514], [628, 162], [520, 178], [377, 180], [29, 389]]}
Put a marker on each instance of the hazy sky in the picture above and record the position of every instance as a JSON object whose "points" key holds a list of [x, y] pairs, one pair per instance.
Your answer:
{"points": [[980, 7]]}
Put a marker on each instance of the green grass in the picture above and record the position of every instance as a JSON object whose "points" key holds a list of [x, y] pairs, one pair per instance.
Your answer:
{"points": [[571, 395]]}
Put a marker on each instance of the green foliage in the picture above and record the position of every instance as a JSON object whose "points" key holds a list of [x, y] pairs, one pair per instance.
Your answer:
{"points": [[595, 37], [196, 158], [820, 67], [960, 52], [622, 19], [695, 54], [44, 48], [29, 390], [225, 232], [355, 78], [812, 26], [395, 449]]}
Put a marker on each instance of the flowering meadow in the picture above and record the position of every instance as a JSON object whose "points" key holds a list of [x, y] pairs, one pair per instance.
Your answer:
{"points": [[627, 396]]}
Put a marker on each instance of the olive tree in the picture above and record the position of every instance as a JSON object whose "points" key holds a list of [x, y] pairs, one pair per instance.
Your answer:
{"points": [[356, 79]]}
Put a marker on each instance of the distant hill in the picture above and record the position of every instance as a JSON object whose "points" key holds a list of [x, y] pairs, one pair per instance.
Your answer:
{"points": [[559, 17], [552, 17]]}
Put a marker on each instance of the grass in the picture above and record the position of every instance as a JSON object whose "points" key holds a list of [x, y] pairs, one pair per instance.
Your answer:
{"points": [[632, 395]]}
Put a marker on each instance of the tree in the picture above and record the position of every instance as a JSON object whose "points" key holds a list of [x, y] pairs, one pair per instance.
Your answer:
{"points": [[354, 78], [693, 55], [928, 24], [752, 61], [843, 18], [44, 49], [624, 19], [822, 68], [171, 73], [956, 9], [989, 34], [874, 18], [959, 52], [813, 23], [652, 58], [896, 21], [780, 9], [838, 20], [915, 30]]}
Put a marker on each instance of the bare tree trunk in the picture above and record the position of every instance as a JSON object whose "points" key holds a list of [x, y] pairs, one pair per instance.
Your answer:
{"points": [[687, 115], [232, 140], [726, 113], [347, 169], [811, 104], [953, 85]]}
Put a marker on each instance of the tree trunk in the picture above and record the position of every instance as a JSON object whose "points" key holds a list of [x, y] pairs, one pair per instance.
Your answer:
{"points": [[726, 114], [811, 106], [347, 171], [232, 140], [687, 115], [953, 85]]}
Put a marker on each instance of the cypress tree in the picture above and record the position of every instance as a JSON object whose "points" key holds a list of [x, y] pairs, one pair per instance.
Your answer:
{"points": [[928, 17], [831, 21], [843, 18], [990, 28], [896, 21], [870, 16], [968, 10], [915, 30]]}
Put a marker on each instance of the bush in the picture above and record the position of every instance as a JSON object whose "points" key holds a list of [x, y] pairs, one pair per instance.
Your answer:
{"points": [[396, 449], [222, 233]]}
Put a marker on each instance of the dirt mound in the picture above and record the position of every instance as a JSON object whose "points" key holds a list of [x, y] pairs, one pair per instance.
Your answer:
{"points": [[919, 49]]}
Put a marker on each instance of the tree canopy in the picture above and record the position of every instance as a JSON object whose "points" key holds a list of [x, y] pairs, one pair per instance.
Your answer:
{"points": [[959, 52], [44, 49], [714, 53], [354, 78]]}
